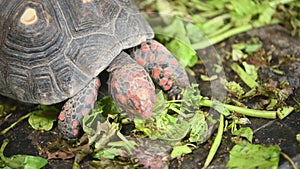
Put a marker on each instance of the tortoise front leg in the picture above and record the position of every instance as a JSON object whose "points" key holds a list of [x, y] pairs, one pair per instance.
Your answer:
{"points": [[73, 111], [162, 66]]}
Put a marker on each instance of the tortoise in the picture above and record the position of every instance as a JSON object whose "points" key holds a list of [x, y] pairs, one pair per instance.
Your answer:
{"points": [[53, 51]]}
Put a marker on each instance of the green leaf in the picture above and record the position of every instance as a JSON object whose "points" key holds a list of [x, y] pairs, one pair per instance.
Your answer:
{"points": [[180, 150], [33, 162], [174, 37], [298, 137], [170, 128], [99, 129], [21, 161], [199, 128], [251, 70], [160, 103], [254, 156], [244, 132], [234, 88], [44, 118], [107, 105], [284, 111], [244, 76], [191, 98], [186, 55], [108, 153]]}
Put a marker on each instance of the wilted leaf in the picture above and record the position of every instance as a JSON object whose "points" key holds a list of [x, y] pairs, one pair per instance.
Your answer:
{"points": [[180, 150], [21, 161], [234, 88], [253, 156], [199, 128], [244, 132]]}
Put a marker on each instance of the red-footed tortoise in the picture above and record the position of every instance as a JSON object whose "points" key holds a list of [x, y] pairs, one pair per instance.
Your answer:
{"points": [[53, 50]]}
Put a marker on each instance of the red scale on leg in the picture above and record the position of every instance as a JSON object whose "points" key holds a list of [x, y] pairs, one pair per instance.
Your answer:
{"points": [[86, 112], [75, 132], [89, 100], [66, 107], [156, 73], [75, 123], [77, 107], [163, 81], [97, 83], [61, 117], [145, 48]]}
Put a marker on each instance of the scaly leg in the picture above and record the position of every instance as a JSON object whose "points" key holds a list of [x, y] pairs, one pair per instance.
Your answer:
{"points": [[162, 66], [73, 111]]}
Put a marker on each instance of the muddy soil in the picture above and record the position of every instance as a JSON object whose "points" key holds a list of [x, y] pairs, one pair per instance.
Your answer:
{"points": [[24, 140]]}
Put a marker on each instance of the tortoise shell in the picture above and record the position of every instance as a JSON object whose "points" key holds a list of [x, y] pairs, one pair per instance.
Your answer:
{"points": [[51, 49]]}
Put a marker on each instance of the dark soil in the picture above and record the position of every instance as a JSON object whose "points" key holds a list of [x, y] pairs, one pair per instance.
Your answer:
{"points": [[24, 140]]}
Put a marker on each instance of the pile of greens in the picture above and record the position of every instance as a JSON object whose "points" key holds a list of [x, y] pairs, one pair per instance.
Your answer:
{"points": [[178, 127]]}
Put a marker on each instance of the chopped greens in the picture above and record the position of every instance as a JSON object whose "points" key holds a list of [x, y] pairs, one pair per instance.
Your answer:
{"points": [[43, 118], [20, 161], [254, 156], [180, 150]]}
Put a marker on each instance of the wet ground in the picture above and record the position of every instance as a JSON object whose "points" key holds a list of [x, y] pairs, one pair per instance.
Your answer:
{"points": [[24, 140]]}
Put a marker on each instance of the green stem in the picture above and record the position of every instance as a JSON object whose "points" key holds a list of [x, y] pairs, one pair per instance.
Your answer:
{"points": [[10, 163], [15, 123], [225, 35], [242, 110], [216, 143], [244, 76]]}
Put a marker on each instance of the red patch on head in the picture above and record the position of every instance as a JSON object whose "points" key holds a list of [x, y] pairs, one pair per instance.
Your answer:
{"points": [[153, 46], [140, 61], [159, 48], [150, 57], [174, 62], [61, 117], [122, 99], [161, 59]]}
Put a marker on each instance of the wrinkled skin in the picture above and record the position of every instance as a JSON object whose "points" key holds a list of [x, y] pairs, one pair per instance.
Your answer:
{"points": [[130, 85]]}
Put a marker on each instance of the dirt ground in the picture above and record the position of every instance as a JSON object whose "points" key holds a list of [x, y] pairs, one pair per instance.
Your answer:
{"points": [[24, 140]]}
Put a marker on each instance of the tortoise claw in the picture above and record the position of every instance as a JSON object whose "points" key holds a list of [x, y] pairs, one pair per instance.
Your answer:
{"points": [[175, 93]]}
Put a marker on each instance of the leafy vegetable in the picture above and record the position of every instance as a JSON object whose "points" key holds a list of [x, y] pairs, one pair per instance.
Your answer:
{"points": [[253, 156], [43, 118], [249, 80], [244, 132], [180, 150], [20, 161]]}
